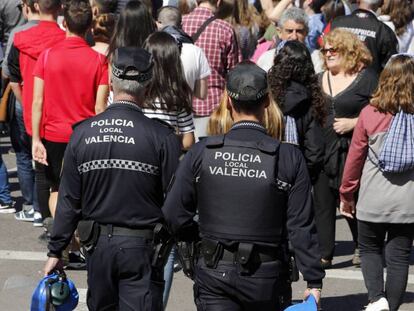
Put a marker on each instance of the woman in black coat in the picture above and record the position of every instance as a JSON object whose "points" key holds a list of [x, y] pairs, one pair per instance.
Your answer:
{"points": [[294, 86]]}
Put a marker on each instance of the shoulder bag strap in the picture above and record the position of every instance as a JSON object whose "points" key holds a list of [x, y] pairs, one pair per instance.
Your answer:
{"points": [[328, 75], [202, 28]]}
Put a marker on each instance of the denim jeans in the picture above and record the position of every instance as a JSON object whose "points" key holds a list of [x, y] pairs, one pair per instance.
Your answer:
{"points": [[397, 256], [20, 141], [168, 275], [4, 184]]}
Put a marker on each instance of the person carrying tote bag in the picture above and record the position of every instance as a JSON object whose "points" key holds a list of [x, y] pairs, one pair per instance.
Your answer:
{"points": [[380, 166]]}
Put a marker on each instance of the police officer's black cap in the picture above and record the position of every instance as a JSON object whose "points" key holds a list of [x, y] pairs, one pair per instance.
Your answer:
{"points": [[247, 82], [132, 63]]}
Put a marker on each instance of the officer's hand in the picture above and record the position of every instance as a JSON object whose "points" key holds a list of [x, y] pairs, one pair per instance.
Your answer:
{"points": [[316, 292], [52, 264], [39, 152], [347, 209]]}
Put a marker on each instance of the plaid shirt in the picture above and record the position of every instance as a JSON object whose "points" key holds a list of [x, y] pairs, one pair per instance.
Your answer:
{"points": [[218, 42]]}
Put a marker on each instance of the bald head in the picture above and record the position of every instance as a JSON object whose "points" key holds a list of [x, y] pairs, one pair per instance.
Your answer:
{"points": [[169, 16]]}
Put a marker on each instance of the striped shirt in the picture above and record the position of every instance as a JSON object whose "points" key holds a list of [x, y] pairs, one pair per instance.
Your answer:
{"points": [[181, 121]]}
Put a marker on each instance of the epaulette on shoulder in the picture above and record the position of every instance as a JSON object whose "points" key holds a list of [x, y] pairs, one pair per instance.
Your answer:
{"points": [[214, 141], [268, 145]]}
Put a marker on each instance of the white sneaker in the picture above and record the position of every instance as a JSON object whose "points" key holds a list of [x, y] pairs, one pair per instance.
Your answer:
{"points": [[25, 215], [7, 208], [37, 220], [379, 305]]}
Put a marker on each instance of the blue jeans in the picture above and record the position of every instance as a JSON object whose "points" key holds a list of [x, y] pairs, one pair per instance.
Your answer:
{"points": [[4, 184], [20, 141], [168, 275]]}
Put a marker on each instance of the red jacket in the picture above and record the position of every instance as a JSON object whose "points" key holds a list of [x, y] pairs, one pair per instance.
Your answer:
{"points": [[31, 43]]}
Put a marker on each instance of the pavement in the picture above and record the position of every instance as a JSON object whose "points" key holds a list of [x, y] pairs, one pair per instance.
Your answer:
{"points": [[22, 256]]}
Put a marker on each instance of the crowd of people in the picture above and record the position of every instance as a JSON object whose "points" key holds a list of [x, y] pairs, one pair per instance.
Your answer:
{"points": [[340, 87]]}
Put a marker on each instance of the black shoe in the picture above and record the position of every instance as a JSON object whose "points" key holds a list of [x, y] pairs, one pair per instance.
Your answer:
{"points": [[76, 262], [177, 267]]}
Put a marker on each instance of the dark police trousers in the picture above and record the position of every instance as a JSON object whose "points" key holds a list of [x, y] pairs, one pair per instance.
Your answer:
{"points": [[120, 276], [225, 288]]}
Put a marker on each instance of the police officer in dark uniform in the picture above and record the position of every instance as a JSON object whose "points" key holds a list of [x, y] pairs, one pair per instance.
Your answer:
{"points": [[116, 170], [247, 188]]}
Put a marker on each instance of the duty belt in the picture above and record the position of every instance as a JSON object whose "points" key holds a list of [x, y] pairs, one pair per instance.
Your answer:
{"points": [[246, 254], [111, 230], [265, 254]]}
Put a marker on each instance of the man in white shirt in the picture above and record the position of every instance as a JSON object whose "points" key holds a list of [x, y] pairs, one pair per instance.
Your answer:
{"points": [[195, 63]]}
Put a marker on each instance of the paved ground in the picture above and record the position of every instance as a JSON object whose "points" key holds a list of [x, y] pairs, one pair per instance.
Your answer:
{"points": [[22, 256]]}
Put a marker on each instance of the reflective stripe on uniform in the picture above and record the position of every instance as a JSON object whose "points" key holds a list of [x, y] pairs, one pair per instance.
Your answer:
{"points": [[118, 164]]}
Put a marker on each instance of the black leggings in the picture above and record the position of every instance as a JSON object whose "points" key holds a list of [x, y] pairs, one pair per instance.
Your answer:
{"points": [[397, 256], [326, 200]]}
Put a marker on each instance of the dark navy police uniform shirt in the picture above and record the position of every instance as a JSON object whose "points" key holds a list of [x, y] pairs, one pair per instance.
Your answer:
{"points": [[116, 169], [181, 202]]}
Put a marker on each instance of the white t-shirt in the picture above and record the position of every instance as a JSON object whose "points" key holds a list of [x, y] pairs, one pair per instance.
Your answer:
{"points": [[195, 64]]}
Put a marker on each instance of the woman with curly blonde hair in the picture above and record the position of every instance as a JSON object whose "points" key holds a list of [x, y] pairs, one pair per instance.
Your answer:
{"points": [[220, 120], [380, 166], [347, 84]]}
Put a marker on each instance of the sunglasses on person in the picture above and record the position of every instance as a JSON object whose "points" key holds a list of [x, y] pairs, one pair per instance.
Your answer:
{"points": [[333, 51]]}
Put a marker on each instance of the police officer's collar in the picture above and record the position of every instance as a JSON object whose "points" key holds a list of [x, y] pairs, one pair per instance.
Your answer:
{"points": [[125, 103], [248, 124]]}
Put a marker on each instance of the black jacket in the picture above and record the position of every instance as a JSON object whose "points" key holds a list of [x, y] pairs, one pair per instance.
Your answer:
{"points": [[178, 34], [181, 202], [379, 38], [116, 169], [298, 105]]}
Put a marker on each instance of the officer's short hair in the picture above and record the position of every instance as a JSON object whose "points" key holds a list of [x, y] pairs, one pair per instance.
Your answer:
{"points": [[131, 70], [130, 87], [297, 15]]}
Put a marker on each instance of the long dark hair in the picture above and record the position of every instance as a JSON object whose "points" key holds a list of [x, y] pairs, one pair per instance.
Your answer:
{"points": [[294, 63], [134, 25], [332, 9], [168, 84]]}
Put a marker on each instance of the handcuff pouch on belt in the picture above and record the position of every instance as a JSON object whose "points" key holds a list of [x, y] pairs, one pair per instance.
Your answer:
{"points": [[187, 255], [163, 243], [244, 257], [88, 231], [212, 252]]}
